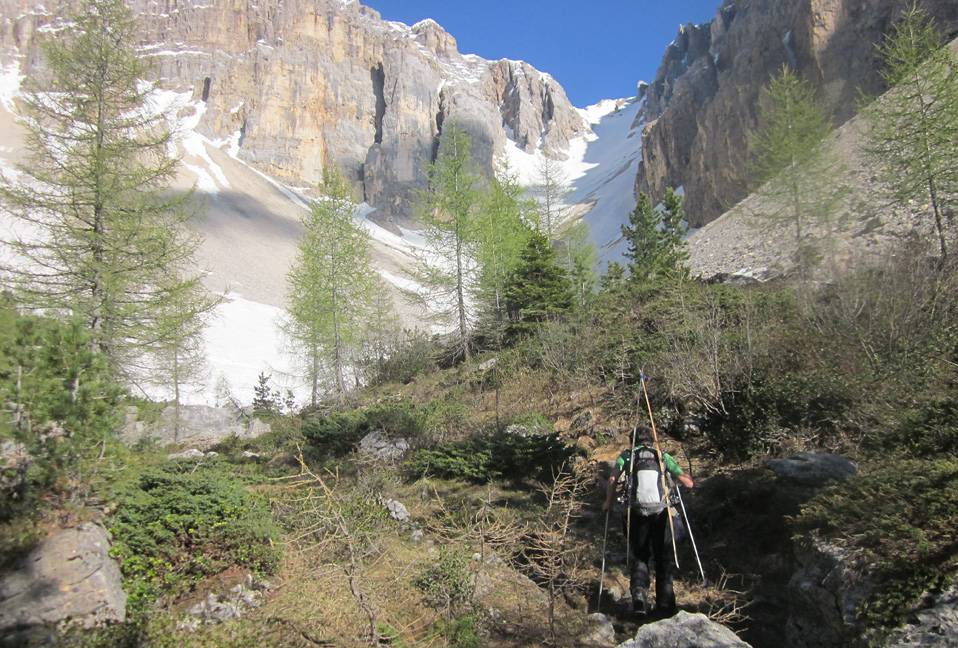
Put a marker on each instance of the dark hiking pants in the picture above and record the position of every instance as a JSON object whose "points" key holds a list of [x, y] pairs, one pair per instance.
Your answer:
{"points": [[652, 542]]}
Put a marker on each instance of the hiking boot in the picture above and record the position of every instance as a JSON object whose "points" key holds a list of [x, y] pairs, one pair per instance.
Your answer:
{"points": [[640, 606]]}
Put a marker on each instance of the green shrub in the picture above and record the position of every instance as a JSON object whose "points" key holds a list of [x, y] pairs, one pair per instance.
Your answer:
{"points": [[447, 583], [179, 524], [459, 633], [59, 403], [501, 455], [900, 523]]}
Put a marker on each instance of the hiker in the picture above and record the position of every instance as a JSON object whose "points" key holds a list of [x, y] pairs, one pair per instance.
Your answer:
{"points": [[647, 523]]}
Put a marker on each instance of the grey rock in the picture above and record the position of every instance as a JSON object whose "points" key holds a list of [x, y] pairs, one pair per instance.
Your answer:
{"points": [[488, 364], [192, 453], [583, 420], [685, 630], [69, 576], [823, 596], [813, 468], [397, 511], [199, 426], [933, 627], [377, 444], [227, 607], [604, 633]]}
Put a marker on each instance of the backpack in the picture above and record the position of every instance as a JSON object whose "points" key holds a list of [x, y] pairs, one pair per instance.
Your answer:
{"points": [[645, 488]]}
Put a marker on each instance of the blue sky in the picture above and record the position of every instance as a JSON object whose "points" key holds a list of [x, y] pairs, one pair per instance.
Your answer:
{"points": [[596, 50]]}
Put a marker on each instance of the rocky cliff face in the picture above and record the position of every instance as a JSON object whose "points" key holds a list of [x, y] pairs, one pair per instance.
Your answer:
{"points": [[704, 98], [300, 84]]}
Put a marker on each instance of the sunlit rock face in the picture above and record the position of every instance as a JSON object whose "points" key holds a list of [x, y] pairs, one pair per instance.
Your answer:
{"points": [[301, 84], [705, 96]]}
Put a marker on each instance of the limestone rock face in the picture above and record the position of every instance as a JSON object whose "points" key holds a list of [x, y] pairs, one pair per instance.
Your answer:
{"points": [[198, 426], [934, 627], [705, 97], [824, 595], [69, 576], [297, 85]]}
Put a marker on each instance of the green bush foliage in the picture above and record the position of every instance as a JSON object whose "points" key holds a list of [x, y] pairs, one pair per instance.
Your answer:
{"points": [[900, 522], [501, 455], [180, 523], [336, 434], [59, 403], [447, 583]]}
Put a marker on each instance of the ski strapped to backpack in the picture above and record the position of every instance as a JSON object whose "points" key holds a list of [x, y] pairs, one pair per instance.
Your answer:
{"points": [[658, 450]]}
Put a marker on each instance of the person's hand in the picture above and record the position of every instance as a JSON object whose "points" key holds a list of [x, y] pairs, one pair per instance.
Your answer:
{"points": [[606, 505]]}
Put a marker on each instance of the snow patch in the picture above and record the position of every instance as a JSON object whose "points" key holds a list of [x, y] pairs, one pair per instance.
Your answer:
{"points": [[10, 80]]}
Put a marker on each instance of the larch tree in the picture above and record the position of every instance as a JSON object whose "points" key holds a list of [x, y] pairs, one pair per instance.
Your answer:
{"points": [[100, 235], [449, 210], [792, 165], [550, 189], [913, 128], [577, 255], [332, 286], [504, 226]]}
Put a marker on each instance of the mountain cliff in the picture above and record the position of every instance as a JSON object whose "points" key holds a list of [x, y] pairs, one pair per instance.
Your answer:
{"points": [[704, 98], [299, 84]]}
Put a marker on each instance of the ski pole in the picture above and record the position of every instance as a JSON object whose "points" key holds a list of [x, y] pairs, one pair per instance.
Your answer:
{"points": [[688, 527], [605, 538], [658, 450], [628, 510]]}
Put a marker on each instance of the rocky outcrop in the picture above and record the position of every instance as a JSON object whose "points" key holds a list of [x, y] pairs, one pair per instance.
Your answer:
{"points": [[299, 84], [824, 595], [813, 469], [933, 627], [705, 96], [198, 426], [685, 630], [68, 577]]}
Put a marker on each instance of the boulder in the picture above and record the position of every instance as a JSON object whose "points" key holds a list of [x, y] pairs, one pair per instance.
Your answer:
{"points": [[823, 596], [933, 627], [376, 444], [826, 592], [604, 632], [397, 511], [70, 576], [215, 609], [813, 468], [685, 630]]}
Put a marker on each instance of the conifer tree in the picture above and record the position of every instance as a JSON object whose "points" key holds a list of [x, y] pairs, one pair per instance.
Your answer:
{"points": [[331, 287], [100, 235], [655, 239], [614, 276], [791, 163], [912, 130], [539, 288], [550, 190], [578, 257], [504, 229], [449, 211]]}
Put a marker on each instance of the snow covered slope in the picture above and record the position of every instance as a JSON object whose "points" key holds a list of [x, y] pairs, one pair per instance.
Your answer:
{"points": [[250, 224]]}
